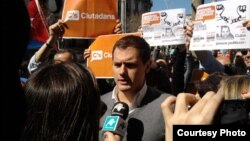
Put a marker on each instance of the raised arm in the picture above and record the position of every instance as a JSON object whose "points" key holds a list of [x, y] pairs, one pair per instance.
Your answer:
{"points": [[206, 58], [56, 30]]}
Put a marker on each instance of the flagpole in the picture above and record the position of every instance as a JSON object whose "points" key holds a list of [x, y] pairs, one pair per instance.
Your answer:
{"points": [[123, 15], [194, 5]]}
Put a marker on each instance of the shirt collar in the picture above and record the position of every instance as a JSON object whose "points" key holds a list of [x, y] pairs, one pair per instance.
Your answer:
{"points": [[138, 99]]}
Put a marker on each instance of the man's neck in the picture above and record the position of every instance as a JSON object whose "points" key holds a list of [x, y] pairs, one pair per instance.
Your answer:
{"points": [[126, 97]]}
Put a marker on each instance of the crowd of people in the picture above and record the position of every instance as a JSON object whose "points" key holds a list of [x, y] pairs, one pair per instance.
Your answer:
{"points": [[62, 99]]}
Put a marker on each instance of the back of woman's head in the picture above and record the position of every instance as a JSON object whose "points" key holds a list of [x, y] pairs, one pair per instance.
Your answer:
{"points": [[234, 86], [63, 104], [235, 108]]}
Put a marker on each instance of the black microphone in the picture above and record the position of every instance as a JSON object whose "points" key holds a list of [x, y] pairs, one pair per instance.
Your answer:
{"points": [[116, 122]]}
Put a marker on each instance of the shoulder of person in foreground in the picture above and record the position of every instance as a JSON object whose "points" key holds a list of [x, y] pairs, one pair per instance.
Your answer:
{"points": [[14, 44]]}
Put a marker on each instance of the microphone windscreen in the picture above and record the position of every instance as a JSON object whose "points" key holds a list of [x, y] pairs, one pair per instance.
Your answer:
{"points": [[120, 109]]}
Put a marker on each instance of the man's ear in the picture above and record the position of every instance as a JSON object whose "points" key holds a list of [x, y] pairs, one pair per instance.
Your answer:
{"points": [[148, 65]]}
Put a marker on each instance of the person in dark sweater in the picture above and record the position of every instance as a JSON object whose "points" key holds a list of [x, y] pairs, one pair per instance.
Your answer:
{"points": [[131, 63]]}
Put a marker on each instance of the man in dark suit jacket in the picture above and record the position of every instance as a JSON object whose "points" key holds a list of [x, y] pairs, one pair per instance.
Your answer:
{"points": [[131, 63]]}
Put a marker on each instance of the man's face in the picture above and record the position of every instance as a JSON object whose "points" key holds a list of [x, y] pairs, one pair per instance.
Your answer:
{"points": [[225, 31], [129, 70], [247, 58], [62, 57]]}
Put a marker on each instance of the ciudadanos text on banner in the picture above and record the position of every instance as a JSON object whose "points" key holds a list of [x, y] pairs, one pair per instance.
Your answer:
{"points": [[89, 18]]}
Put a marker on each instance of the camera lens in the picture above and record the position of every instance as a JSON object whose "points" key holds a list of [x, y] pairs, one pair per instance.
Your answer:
{"points": [[233, 112]]}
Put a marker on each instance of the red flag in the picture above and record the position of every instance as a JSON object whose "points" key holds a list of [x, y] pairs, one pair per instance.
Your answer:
{"points": [[39, 25]]}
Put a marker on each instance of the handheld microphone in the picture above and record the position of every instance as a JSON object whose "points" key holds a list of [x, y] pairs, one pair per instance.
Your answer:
{"points": [[116, 122]]}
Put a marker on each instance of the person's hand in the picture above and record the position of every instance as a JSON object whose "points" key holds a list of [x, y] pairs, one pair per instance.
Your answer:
{"points": [[246, 24], [108, 136], [118, 27], [139, 29], [57, 29], [161, 62], [245, 95], [86, 54], [202, 111], [188, 30]]}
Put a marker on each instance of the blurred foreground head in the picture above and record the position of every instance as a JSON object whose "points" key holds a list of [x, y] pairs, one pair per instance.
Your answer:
{"points": [[236, 87], [63, 104], [15, 28]]}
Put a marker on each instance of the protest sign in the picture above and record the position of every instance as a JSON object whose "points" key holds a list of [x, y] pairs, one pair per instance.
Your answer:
{"points": [[218, 25], [100, 60], [164, 27], [89, 18]]}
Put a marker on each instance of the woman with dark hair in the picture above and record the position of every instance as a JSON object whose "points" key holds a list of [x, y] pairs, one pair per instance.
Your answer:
{"points": [[63, 104]]}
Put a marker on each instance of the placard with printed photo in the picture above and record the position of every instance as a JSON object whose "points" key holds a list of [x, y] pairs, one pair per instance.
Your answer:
{"points": [[164, 27], [218, 25]]}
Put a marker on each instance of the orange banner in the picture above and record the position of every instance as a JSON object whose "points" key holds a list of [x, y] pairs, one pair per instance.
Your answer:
{"points": [[100, 60], [89, 18]]}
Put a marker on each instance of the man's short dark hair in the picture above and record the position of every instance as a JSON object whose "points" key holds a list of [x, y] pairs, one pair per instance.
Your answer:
{"points": [[136, 42]]}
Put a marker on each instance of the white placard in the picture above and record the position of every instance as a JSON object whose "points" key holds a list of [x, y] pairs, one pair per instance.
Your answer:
{"points": [[218, 25], [164, 27]]}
